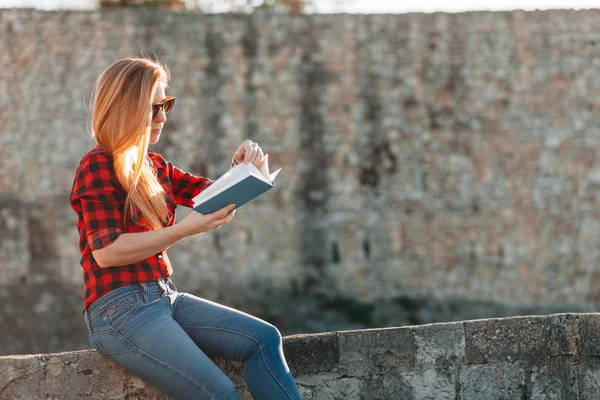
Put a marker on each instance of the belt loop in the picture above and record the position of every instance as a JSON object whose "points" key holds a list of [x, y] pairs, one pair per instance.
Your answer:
{"points": [[163, 286], [145, 291]]}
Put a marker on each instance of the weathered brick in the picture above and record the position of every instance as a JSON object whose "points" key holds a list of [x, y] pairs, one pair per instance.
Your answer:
{"points": [[20, 377], [589, 379], [555, 379], [441, 345], [376, 350], [589, 326], [312, 354], [499, 381], [519, 338]]}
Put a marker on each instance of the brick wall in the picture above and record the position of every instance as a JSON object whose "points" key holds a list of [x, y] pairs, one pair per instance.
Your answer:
{"points": [[438, 157]]}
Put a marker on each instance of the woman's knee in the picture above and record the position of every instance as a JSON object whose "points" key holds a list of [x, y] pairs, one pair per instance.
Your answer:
{"points": [[269, 336]]}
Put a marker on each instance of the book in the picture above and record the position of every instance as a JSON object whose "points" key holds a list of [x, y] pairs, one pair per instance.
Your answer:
{"points": [[238, 186]]}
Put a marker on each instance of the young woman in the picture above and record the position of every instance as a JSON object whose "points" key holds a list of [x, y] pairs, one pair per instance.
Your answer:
{"points": [[125, 198]]}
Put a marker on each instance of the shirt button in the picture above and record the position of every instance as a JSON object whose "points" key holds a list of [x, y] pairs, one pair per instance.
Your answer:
{"points": [[159, 256]]}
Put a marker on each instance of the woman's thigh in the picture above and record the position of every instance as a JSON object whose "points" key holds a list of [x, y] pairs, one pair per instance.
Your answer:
{"points": [[223, 331], [141, 336]]}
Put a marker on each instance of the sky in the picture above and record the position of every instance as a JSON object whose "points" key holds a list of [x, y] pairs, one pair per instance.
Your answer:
{"points": [[365, 6]]}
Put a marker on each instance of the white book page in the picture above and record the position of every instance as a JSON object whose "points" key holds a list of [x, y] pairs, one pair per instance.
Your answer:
{"points": [[264, 171], [235, 175], [230, 178]]}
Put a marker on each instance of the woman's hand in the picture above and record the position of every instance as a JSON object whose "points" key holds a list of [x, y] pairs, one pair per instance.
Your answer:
{"points": [[196, 223], [249, 152]]}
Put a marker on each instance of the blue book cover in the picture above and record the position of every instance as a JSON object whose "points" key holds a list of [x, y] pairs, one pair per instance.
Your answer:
{"points": [[239, 194], [238, 186]]}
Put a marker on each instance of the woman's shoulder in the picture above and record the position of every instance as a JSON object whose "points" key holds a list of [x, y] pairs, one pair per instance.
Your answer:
{"points": [[95, 170], [95, 159], [95, 153]]}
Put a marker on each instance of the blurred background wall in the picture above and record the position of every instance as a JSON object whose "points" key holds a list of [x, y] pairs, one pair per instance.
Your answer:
{"points": [[436, 167]]}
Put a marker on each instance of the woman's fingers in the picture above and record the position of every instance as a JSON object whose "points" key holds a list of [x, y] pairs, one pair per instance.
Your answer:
{"points": [[248, 153], [253, 152], [259, 157], [222, 221], [222, 213], [230, 216]]}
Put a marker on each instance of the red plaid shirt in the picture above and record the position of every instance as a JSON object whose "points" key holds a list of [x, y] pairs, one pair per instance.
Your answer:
{"points": [[98, 199]]}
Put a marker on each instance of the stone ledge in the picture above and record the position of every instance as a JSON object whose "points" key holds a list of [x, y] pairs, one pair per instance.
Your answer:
{"points": [[553, 356]]}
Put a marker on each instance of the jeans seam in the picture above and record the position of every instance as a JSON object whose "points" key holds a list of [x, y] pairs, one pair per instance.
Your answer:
{"points": [[111, 293], [259, 346], [102, 308], [98, 312], [164, 363], [120, 306], [122, 320], [103, 352], [102, 329]]}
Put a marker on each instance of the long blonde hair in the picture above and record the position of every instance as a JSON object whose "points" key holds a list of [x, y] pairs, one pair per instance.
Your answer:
{"points": [[121, 118]]}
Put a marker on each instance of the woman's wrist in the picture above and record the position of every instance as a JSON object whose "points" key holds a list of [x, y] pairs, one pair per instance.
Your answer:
{"points": [[233, 163]]}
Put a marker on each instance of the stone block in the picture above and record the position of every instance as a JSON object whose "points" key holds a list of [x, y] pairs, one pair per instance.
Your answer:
{"points": [[312, 354], [589, 379], [501, 381], [376, 350], [589, 326], [563, 334], [518, 338], [387, 386], [20, 377], [416, 384], [332, 386], [556, 379], [86, 373], [441, 345]]}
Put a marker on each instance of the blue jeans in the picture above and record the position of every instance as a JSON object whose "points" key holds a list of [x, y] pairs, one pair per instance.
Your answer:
{"points": [[165, 337]]}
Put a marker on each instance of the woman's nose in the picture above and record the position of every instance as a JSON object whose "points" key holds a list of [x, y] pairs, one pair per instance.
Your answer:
{"points": [[161, 116]]}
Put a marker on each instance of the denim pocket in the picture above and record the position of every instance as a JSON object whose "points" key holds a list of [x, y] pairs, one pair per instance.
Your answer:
{"points": [[120, 310]]}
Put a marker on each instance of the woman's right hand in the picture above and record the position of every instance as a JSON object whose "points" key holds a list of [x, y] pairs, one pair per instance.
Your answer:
{"points": [[196, 223]]}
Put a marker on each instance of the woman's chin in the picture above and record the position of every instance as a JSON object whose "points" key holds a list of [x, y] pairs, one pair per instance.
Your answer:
{"points": [[155, 137]]}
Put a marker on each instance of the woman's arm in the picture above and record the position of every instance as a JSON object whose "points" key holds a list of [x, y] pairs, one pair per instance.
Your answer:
{"points": [[130, 248]]}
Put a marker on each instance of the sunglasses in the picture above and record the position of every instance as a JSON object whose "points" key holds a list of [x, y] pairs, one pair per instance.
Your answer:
{"points": [[166, 105]]}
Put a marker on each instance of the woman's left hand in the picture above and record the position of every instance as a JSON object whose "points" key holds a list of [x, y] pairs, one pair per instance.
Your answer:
{"points": [[249, 152]]}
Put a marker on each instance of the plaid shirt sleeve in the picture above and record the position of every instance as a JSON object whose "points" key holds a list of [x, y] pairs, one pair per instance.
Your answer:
{"points": [[184, 185], [97, 198]]}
